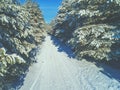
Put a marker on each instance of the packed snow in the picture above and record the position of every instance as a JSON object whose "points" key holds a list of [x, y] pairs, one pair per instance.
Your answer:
{"points": [[56, 69]]}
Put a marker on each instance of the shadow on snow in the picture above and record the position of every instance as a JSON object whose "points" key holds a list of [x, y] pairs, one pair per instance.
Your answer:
{"points": [[111, 72], [108, 70], [19, 82], [63, 47]]}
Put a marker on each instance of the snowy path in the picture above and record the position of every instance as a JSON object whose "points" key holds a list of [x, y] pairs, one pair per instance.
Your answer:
{"points": [[56, 71]]}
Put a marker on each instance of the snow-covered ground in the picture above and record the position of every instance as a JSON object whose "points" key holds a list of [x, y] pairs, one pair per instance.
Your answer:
{"points": [[57, 70]]}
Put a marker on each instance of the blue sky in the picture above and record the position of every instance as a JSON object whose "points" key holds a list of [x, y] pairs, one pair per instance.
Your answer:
{"points": [[49, 8]]}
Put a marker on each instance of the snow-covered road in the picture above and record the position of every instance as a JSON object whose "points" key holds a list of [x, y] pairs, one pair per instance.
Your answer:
{"points": [[55, 70]]}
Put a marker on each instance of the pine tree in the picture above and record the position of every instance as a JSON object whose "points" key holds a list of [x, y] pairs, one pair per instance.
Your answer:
{"points": [[21, 32], [92, 27], [10, 1]]}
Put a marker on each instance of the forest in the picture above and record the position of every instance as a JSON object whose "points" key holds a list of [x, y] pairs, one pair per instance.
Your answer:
{"points": [[85, 30]]}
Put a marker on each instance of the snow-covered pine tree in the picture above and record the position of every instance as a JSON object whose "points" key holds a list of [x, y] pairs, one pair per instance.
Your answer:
{"points": [[19, 37], [92, 27]]}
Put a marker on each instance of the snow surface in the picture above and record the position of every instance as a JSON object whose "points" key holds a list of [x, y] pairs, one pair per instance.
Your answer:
{"points": [[57, 70]]}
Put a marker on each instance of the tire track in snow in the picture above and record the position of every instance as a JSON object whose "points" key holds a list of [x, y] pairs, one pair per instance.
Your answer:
{"points": [[56, 71]]}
